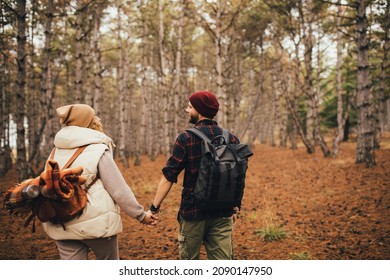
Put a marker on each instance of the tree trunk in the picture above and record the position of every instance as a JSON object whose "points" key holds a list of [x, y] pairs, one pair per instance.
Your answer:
{"points": [[307, 36], [20, 92], [79, 48], [283, 135], [317, 93], [221, 116], [146, 110], [122, 93], [383, 91], [97, 61], [5, 149], [275, 118], [386, 121], [340, 126], [366, 126], [33, 111], [166, 143], [291, 127], [282, 112], [87, 84], [295, 117], [178, 68], [248, 125]]}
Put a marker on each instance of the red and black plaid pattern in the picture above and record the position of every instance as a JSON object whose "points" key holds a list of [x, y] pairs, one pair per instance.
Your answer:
{"points": [[186, 154]]}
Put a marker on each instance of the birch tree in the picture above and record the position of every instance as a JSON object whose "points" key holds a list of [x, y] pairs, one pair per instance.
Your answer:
{"points": [[163, 86], [122, 92], [340, 124], [98, 70], [21, 158], [5, 93], [81, 10], [146, 110], [176, 85], [32, 93]]}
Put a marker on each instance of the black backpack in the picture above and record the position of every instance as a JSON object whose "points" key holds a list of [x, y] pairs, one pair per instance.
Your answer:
{"points": [[221, 178]]}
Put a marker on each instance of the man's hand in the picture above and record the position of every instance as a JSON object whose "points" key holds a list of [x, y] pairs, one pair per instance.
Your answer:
{"points": [[150, 219], [236, 214]]}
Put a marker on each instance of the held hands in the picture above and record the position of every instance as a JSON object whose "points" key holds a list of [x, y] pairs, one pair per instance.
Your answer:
{"points": [[150, 219]]}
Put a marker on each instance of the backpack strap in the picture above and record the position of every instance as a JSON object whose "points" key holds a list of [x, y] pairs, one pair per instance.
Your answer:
{"points": [[52, 153], [72, 158], [92, 182], [199, 133]]}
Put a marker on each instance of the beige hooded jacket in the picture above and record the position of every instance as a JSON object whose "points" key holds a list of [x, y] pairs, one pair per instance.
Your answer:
{"points": [[101, 217]]}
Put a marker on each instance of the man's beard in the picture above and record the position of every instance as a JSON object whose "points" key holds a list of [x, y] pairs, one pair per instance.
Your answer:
{"points": [[194, 119]]}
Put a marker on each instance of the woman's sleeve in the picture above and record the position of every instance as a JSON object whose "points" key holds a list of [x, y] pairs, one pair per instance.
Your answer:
{"points": [[117, 187]]}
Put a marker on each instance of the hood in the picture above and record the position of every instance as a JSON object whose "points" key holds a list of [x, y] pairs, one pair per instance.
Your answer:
{"points": [[71, 137]]}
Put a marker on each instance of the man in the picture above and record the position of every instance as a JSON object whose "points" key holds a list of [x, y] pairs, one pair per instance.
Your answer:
{"points": [[213, 228]]}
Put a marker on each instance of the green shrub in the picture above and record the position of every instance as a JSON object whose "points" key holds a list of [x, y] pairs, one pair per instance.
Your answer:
{"points": [[300, 256], [272, 233]]}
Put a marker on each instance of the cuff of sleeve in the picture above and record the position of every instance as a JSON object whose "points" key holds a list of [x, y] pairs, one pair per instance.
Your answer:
{"points": [[168, 177], [141, 216]]}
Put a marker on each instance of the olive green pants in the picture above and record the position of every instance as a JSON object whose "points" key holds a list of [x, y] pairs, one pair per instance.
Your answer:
{"points": [[215, 234]]}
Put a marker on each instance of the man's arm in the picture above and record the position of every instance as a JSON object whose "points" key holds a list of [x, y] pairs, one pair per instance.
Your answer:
{"points": [[164, 186]]}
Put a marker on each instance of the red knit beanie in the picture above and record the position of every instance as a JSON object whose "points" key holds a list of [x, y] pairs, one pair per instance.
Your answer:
{"points": [[205, 103]]}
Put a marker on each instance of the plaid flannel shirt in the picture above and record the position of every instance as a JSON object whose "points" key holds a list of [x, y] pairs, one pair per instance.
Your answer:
{"points": [[186, 154]]}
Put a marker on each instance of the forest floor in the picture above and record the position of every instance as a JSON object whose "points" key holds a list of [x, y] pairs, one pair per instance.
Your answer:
{"points": [[322, 208]]}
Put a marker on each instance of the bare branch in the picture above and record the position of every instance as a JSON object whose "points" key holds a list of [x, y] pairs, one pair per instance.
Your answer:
{"points": [[9, 7]]}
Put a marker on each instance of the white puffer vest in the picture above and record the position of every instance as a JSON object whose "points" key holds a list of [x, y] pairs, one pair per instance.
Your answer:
{"points": [[101, 217]]}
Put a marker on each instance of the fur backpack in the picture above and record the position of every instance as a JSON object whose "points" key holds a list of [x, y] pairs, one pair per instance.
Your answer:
{"points": [[56, 196]]}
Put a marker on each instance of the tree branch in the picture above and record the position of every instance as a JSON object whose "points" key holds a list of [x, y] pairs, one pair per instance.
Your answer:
{"points": [[9, 7]]}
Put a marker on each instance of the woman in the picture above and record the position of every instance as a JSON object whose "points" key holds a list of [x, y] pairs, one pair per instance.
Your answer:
{"points": [[100, 223]]}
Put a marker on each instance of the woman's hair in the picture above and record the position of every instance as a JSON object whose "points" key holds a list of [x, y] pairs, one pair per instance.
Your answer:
{"points": [[96, 124]]}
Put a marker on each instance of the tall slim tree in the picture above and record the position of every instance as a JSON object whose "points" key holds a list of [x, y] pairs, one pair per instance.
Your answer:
{"points": [[366, 126], [80, 37], [383, 92], [5, 96], [177, 84], [122, 91], [340, 127], [163, 84], [96, 101], [146, 110], [20, 91]]}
